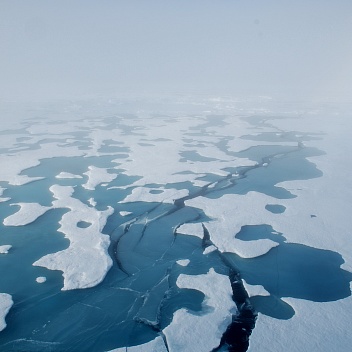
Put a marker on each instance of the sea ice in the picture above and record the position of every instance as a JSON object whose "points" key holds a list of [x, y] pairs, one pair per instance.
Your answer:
{"points": [[183, 262], [4, 249], [156, 345], [67, 175], [40, 279], [162, 195], [6, 303], [86, 261], [97, 176], [28, 213], [191, 331]]}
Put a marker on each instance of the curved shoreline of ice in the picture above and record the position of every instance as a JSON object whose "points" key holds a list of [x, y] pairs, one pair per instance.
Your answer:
{"points": [[6, 303]]}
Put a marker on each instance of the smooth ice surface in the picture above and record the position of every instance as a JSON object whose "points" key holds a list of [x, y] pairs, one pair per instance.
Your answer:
{"points": [[6, 303], [202, 332]]}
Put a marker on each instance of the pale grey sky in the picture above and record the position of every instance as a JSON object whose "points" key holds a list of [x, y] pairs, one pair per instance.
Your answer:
{"points": [[67, 49]]}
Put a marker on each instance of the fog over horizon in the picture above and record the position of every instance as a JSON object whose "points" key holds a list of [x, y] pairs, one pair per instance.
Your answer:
{"points": [[74, 49]]}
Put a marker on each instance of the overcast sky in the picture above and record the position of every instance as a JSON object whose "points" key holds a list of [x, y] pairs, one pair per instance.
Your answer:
{"points": [[68, 49]]}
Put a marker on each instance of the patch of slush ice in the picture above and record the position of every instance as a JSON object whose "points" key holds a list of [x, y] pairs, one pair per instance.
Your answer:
{"points": [[4, 249], [156, 345], [191, 331], [28, 213], [86, 261], [97, 176], [6, 303], [144, 194], [183, 262], [67, 175]]}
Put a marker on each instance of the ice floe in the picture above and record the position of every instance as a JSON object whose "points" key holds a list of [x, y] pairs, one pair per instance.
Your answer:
{"points": [[229, 213], [86, 261], [28, 213], [191, 331], [4, 249], [67, 175], [40, 279], [97, 176], [6, 303], [183, 262]]}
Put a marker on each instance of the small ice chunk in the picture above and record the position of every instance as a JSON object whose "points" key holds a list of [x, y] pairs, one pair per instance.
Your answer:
{"points": [[255, 290], [192, 229], [183, 262], [125, 213], [92, 202], [1, 193], [40, 279], [209, 249], [97, 176], [67, 175], [4, 249], [6, 303]]}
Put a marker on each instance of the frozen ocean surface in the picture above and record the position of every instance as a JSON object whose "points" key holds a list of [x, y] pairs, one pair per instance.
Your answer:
{"points": [[201, 224]]}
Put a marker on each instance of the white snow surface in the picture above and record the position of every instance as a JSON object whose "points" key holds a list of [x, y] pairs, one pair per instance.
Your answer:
{"points": [[190, 331], [6, 303], [86, 261]]}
